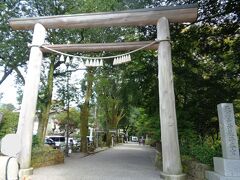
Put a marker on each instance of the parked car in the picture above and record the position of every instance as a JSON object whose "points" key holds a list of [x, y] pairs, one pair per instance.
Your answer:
{"points": [[50, 142], [134, 139], [59, 140]]}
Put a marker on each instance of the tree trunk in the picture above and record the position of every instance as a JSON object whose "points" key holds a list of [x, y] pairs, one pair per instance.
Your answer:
{"points": [[109, 139], [84, 127], [46, 105], [85, 111]]}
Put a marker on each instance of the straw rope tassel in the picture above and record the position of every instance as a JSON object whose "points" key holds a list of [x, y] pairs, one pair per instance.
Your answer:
{"points": [[114, 61], [129, 57], [68, 59], [125, 59], [120, 60], [87, 62], [61, 58], [101, 62], [98, 62], [81, 61], [92, 63]]}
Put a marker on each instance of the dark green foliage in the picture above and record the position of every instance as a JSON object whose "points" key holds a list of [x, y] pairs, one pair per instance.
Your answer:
{"points": [[36, 142], [202, 150], [9, 122], [13, 46], [141, 124], [203, 153]]}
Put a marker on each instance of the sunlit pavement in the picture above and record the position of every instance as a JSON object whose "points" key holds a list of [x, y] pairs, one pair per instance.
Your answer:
{"points": [[126, 162]]}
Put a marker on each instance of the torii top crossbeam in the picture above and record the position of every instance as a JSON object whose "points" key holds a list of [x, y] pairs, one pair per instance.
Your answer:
{"points": [[138, 17]]}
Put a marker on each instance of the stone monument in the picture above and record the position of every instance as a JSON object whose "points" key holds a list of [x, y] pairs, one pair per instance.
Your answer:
{"points": [[10, 148], [227, 167], [11, 145]]}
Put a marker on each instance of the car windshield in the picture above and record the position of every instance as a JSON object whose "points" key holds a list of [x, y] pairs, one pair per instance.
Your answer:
{"points": [[55, 138]]}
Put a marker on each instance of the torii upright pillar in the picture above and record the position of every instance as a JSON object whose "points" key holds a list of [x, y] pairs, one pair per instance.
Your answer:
{"points": [[29, 101], [172, 168]]}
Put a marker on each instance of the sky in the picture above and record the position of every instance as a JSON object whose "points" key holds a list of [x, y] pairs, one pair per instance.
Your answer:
{"points": [[9, 91]]}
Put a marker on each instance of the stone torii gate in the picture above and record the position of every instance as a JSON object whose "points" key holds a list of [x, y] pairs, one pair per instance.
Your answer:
{"points": [[172, 168]]}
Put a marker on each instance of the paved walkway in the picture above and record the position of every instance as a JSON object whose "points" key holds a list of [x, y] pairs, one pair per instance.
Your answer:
{"points": [[123, 162]]}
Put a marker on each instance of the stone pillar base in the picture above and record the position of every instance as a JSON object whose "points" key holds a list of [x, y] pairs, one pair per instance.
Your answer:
{"points": [[25, 172], [210, 175], [227, 167], [172, 176]]}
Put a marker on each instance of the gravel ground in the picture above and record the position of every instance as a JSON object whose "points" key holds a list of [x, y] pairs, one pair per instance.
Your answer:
{"points": [[123, 162]]}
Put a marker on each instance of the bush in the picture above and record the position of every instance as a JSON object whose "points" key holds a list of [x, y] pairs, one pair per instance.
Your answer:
{"points": [[204, 153], [46, 156], [9, 122], [35, 142]]}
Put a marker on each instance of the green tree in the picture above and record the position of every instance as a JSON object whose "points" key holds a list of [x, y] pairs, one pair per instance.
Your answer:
{"points": [[8, 107], [44, 103], [72, 122], [88, 89], [144, 125], [9, 122], [44, 8], [13, 45]]}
